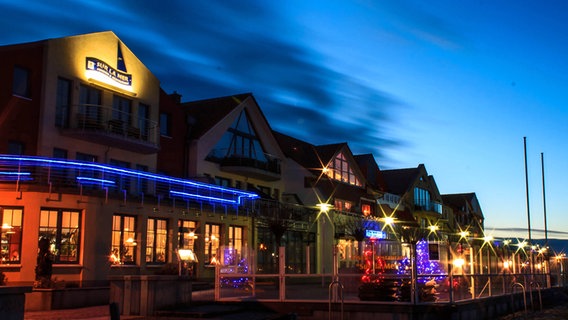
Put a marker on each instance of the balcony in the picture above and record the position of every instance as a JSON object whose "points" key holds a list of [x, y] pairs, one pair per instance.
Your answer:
{"points": [[25, 173], [268, 170], [103, 125]]}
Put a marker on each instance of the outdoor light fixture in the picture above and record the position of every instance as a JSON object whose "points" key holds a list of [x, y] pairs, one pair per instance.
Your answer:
{"points": [[324, 207], [459, 262], [389, 220]]}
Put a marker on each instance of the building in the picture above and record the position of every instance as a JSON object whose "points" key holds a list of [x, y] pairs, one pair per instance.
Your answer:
{"points": [[119, 175], [80, 139]]}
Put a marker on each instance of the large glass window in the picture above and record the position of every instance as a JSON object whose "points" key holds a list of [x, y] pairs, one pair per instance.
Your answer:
{"points": [[212, 238], [340, 170], [21, 82], [123, 250], [62, 228], [186, 234], [62, 103], [90, 115], [157, 240], [11, 234], [121, 116], [236, 239], [240, 141]]}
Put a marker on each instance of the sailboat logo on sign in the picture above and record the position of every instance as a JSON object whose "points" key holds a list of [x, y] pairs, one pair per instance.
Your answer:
{"points": [[102, 71]]}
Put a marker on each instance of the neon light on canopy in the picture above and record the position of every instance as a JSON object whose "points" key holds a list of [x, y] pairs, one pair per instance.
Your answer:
{"points": [[214, 193]]}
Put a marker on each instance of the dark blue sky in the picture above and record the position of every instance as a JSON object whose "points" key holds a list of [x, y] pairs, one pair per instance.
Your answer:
{"points": [[455, 87]]}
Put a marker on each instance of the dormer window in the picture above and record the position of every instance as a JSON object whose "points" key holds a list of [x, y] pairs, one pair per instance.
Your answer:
{"points": [[340, 170]]}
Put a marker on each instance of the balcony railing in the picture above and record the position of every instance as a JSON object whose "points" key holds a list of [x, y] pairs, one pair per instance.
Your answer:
{"points": [[267, 170], [95, 179], [106, 125]]}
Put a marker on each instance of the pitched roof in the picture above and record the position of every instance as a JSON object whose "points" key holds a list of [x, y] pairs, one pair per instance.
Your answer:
{"points": [[302, 152], [457, 201], [204, 114], [398, 181], [371, 171]]}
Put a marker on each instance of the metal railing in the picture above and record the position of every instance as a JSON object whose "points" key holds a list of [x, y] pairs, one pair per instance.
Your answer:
{"points": [[91, 118]]}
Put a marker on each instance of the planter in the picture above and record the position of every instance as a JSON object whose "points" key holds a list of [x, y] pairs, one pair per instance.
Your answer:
{"points": [[12, 301], [66, 298], [144, 295]]}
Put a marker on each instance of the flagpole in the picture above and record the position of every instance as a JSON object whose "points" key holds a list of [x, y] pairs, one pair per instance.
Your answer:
{"points": [[544, 201], [527, 191]]}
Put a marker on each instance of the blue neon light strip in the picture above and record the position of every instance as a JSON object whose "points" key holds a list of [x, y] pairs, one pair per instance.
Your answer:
{"points": [[13, 173], [197, 196], [15, 176], [204, 188], [88, 180]]}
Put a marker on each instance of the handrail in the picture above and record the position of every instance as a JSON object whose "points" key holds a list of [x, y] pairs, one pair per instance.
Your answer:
{"points": [[524, 296], [333, 295]]}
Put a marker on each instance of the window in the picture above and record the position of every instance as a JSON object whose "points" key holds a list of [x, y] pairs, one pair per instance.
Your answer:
{"points": [[157, 240], [340, 170], [62, 103], [85, 172], [342, 205], [61, 228], [212, 237], [15, 147], [120, 115], [21, 82], [11, 234], [124, 182], [141, 182], [123, 250], [366, 209], [165, 124], [236, 239], [186, 234], [57, 173], [223, 182], [240, 141], [143, 115], [90, 115]]}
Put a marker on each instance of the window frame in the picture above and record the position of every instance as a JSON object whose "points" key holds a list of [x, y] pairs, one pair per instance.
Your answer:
{"points": [[154, 233], [10, 230], [21, 82], [123, 240], [56, 242]]}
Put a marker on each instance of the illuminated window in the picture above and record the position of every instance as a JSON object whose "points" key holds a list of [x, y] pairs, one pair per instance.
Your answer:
{"points": [[62, 228], [11, 234], [186, 234], [212, 234], [366, 209], [342, 205], [236, 239], [340, 170], [21, 82], [62, 103], [123, 248], [157, 240]]}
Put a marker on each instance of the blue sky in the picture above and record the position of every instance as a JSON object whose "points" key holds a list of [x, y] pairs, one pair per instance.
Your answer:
{"points": [[455, 86]]}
